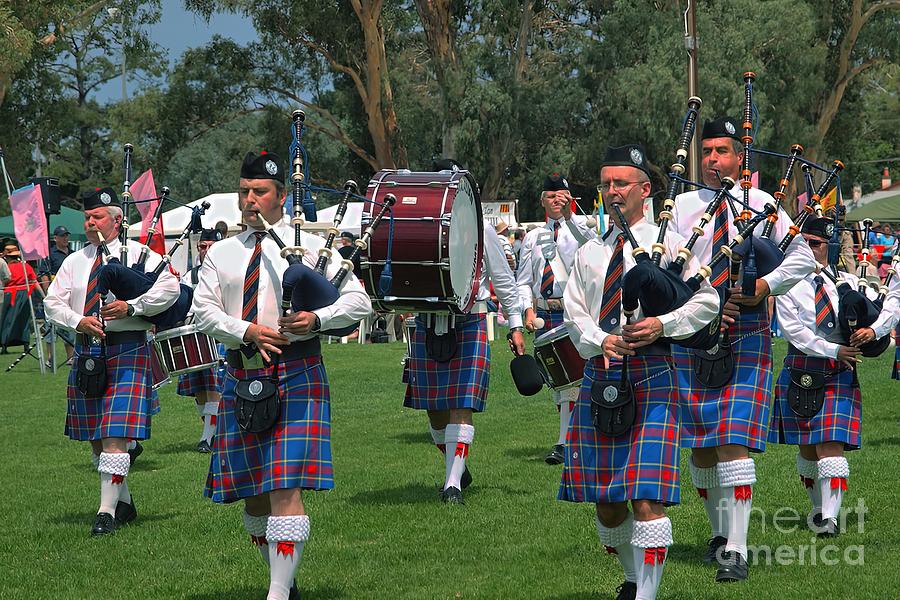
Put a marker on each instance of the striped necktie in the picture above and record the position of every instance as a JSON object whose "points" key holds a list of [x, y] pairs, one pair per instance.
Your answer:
{"points": [[720, 238], [825, 319], [251, 281], [92, 295], [547, 279], [611, 305]]}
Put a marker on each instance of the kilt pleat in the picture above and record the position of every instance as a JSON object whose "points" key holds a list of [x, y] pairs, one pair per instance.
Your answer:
{"points": [[125, 409], [295, 453], [738, 413], [839, 419], [462, 382], [640, 465]]}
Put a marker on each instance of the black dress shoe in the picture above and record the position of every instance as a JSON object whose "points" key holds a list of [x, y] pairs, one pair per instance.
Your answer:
{"points": [[556, 456], [452, 495], [827, 528], [732, 567], [134, 453], [203, 447], [627, 591], [466, 479], [104, 524], [712, 549], [125, 513], [294, 594]]}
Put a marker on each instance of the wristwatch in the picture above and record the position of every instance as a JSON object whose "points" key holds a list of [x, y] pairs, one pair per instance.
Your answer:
{"points": [[514, 329], [130, 310], [317, 325]]}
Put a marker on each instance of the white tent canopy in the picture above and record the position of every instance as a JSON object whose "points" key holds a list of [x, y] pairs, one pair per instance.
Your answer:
{"points": [[325, 218]]}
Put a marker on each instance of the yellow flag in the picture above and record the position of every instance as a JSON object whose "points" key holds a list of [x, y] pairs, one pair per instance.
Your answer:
{"points": [[830, 200]]}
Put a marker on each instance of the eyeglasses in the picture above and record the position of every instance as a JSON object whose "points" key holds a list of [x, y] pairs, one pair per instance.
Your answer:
{"points": [[815, 243], [604, 188]]}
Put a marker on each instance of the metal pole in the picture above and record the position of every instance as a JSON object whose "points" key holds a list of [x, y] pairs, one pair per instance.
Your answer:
{"points": [[692, 44], [124, 89], [6, 178], [37, 331]]}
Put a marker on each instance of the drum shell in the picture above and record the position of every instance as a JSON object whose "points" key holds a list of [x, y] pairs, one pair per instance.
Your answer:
{"points": [[420, 253], [185, 349], [160, 376], [558, 359]]}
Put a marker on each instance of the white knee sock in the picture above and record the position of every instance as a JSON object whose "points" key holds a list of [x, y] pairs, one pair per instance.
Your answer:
{"points": [[650, 541], [617, 540], [113, 468], [210, 410], [256, 527], [831, 480], [737, 477], [706, 480], [286, 536], [458, 437], [808, 473], [437, 436]]}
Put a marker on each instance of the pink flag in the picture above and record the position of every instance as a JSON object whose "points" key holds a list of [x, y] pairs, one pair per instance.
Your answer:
{"points": [[754, 179], [144, 188], [30, 222], [801, 202]]}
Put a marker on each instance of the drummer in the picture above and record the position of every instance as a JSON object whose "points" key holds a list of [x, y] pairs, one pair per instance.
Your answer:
{"points": [[545, 261], [448, 366], [108, 407], [205, 385]]}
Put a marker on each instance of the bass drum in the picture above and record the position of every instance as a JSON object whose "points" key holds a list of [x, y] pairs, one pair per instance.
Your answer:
{"points": [[434, 244]]}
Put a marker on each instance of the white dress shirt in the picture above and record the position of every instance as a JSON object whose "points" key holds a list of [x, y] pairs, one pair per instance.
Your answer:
{"points": [[890, 311], [798, 259], [65, 297], [219, 296], [584, 293], [496, 270], [572, 235]]}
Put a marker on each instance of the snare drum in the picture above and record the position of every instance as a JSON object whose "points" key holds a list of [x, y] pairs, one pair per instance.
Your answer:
{"points": [[160, 376], [185, 349], [558, 360], [437, 246]]}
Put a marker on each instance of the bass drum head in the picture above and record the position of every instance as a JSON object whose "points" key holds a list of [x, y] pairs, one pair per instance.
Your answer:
{"points": [[465, 243]]}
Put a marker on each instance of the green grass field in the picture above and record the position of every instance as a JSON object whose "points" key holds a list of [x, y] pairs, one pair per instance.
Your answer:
{"points": [[382, 533]]}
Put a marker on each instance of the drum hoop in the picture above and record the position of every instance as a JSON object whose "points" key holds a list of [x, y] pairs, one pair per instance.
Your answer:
{"points": [[178, 331], [557, 333]]}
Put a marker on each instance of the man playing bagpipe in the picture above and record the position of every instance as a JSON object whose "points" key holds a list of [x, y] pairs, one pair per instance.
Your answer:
{"points": [[818, 403], [206, 385], [545, 261], [623, 443], [273, 433], [726, 418], [109, 386], [450, 379]]}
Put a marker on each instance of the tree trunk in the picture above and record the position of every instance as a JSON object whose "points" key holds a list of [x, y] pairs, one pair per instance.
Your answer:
{"points": [[440, 35]]}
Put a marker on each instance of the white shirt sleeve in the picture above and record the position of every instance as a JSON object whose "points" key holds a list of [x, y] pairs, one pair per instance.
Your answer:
{"points": [[584, 332], [502, 278], [580, 231], [57, 302], [161, 294], [524, 274], [799, 335], [890, 311], [798, 259], [209, 308]]}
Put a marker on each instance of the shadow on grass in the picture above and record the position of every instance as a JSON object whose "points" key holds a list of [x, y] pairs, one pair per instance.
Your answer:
{"points": [[408, 437], [529, 453], [182, 448], [86, 518], [411, 493], [687, 553], [255, 593], [889, 441]]}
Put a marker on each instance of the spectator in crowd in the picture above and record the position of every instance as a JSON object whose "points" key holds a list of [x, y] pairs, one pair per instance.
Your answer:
{"points": [[503, 233], [60, 249]]}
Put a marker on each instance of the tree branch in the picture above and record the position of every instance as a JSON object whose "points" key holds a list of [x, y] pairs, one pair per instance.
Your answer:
{"points": [[61, 28]]}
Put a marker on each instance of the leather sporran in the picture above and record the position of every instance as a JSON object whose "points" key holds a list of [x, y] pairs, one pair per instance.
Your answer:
{"points": [[613, 409], [257, 404], [90, 375], [714, 367], [440, 348], [806, 393]]}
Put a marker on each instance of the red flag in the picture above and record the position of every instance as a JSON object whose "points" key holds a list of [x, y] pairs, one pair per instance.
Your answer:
{"points": [[30, 222], [144, 188]]}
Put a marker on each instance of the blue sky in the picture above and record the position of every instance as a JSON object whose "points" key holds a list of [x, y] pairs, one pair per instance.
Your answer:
{"points": [[178, 30]]}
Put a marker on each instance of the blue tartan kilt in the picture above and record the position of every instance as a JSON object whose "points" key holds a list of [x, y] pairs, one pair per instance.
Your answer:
{"points": [[738, 413], [640, 465], [295, 453], [462, 382], [125, 410], [841, 414]]}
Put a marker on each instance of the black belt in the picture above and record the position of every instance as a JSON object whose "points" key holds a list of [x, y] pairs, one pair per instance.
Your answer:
{"points": [[655, 349], [294, 351], [761, 307], [114, 338]]}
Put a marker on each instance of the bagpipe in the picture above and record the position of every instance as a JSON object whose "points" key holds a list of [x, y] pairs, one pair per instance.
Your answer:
{"points": [[305, 288], [128, 283]]}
